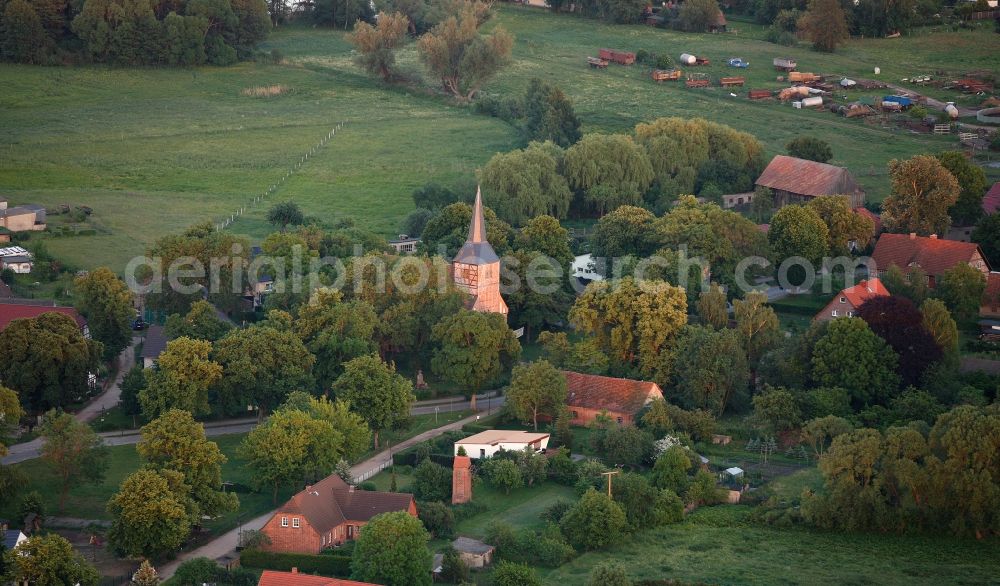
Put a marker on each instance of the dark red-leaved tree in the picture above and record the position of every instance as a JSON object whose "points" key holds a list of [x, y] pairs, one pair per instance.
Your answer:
{"points": [[897, 320]]}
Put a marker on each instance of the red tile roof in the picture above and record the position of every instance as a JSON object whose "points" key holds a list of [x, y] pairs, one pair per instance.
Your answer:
{"points": [[991, 296], [331, 501], [873, 216], [11, 311], [804, 177], [618, 395], [273, 578], [991, 201], [864, 291], [933, 255]]}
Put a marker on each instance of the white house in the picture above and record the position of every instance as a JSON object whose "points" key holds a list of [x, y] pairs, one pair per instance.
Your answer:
{"points": [[13, 538], [487, 443], [16, 259], [585, 267]]}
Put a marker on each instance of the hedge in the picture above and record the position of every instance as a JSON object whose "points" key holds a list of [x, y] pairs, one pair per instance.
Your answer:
{"points": [[409, 458], [328, 565]]}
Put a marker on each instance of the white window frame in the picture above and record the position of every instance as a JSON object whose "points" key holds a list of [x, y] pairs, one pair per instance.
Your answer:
{"points": [[284, 521], [295, 522], [834, 313]]}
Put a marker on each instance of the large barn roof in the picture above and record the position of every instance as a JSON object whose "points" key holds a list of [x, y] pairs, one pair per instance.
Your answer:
{"points": [[804, 177]]}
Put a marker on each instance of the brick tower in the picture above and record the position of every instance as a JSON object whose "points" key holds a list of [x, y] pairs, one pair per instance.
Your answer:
{"points": [[476, 267], [461, 480]]}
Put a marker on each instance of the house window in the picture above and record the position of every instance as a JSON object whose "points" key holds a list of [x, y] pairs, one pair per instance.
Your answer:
{"points": [[482, 453], [843, 299], [322, 541], [850, 314], [620, 421], [834, 313], [284, 521], [576, 415], [295, 521], [350, 531]]}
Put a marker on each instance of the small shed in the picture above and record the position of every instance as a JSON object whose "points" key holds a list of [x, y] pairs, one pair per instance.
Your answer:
{"points": [[154, 344], [734, 472], [474, 553]]}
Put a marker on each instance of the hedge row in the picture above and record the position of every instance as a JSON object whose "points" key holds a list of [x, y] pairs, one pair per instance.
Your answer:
{"points": [[409, 458], [328, 565]]}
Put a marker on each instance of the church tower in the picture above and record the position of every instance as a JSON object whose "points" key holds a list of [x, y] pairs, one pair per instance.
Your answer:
{"points": [[476, 267]]}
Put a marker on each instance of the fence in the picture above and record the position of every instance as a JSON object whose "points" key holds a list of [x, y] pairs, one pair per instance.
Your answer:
{"points": [[942, 129], [259, 198], [374, 471], [984, 15]]}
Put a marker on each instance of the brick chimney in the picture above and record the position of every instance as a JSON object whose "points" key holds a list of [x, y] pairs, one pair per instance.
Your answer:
{"points": [[295, 570], [461, 480], [933, 236], [913, 235]]}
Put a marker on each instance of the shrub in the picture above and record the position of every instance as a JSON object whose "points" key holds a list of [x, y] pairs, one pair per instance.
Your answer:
{"points": [[438, 519], [556, 511], [432, 482], [369, 486], [331, 565]]}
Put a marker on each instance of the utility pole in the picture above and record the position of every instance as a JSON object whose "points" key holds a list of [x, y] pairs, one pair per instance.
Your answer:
{"points": [[609, 474]]}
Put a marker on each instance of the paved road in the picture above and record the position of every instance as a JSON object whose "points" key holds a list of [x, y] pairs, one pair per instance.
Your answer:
{"points": [[110, 397], [31, 450], [226, 543]]}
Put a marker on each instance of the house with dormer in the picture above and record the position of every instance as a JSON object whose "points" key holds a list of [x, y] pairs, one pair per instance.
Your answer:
{"points": [[933, 255]]}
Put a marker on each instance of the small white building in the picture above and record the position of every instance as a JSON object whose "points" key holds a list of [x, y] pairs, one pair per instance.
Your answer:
{"points": [[488, 443], [585, 267], [13, 538], [16, 259]]}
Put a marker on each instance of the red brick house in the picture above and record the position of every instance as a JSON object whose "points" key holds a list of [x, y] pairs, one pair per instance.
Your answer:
{"points": [[29, 310], [294, 578], [845, 303], [329, 513], [932, 254], [990, 306], [588, 395], [797, 181]]}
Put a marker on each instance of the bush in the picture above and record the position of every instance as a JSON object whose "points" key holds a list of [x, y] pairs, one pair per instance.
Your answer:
{"points": [[780, 37], [555, 512], [432, 482], [664, 62], [438, 519], [198, 571], [369, 486], [330, 565], [506, 109]]}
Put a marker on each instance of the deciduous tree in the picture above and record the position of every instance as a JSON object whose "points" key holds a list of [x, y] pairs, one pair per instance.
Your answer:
{"points": [[335, 331], [809, 148], [712, 307], [23, 37], [77, 454], [201, 323], [357, 436], [150, 513], [625, 230], [825, 24], [460, 57], [923, 191], [851, 356], [49, 559], [392, 550], [711, 367], [376, 45], [175, 441], [844, 225], [798, 231], [961, 288], [594, 522], [611, 170], [972, 185], [938, 321], [698, 15], [473, 350], [523, 184], [106, 302], [503, 474], [284, 214], [376, 392], [181, 379], [897, 320], [536, 388], [514, 574], [609, 574]]}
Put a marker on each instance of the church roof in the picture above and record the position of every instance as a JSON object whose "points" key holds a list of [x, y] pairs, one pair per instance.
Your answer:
{"points": [[477, 250]]}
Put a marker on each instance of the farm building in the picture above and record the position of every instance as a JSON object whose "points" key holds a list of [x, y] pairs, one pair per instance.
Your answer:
{"points": [[798, 180], [473, 552], [845, 303], [16, 259], [405, 244], [25, 309], [589, 395], [732, 200], [931, 254], [585, 267], [488, 443], [296, 578], [22, 218], [990, 306], [327, 514], [991, 201]]}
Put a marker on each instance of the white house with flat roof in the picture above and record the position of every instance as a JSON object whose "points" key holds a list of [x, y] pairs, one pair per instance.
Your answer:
{"points": [[488, 443]]}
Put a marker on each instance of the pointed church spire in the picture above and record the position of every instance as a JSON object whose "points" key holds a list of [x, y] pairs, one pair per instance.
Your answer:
{"points": [[477, 228]]}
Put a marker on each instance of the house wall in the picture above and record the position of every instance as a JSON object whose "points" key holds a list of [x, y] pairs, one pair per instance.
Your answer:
{"points": [[843, 308], [302, 539], [20, 222], [476, 451], [476, 561], [584, 416]]}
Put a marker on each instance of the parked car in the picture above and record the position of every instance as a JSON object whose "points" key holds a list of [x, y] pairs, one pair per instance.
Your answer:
{"points": [[138, 324], [739, 62]]}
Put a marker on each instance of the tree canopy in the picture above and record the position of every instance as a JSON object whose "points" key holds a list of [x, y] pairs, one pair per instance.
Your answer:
{"points": [[923, 191], [523, 184], [376, 392], [106, 302], [460, 57], [392, 550], [610, 170], [473, 349], [536, 388], [181, 379]]}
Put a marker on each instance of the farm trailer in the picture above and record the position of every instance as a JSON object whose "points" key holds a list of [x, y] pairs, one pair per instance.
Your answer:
{"points": [[732, 81], [596, 63], [784, 64], [620, 57], [660, 75]]}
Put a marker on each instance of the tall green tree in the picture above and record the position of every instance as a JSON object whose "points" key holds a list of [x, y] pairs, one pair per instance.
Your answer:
{"points": [[335, 332], [843, 224], [536, 388], [175, 441], [357, 435], [825, 24], [972, 184], [377, 45], [961, 288], [809, 148], [523, 184], [202, 322], [594, 522], [849, 355], [938, 321], [47, 361], [106, 302], [10, 416], [22, 36], [697, 16], [987, 236], [625, 230], [544, 234], [798, 231], [549, 115], [610, 170], [712, 307], [509, 573], [392, 550], [461, 58], [758, 327], [473, 349], [181, 379], [150, 513], [711, 367], [76, 454], [376, 392], [923, 191], [49, 559], [261, 365]]}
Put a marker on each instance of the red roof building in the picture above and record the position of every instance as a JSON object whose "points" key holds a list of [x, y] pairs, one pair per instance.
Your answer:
{"points": [[327, 514], [588, 395], [476, 268], [11, 311], [991, 201], [931, 254], [798, 180], [294, 578], [990, 306], [845, 303]]}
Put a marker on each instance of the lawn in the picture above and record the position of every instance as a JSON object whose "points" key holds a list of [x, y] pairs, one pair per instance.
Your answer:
{"points": [[154, 150], [719, 545]]}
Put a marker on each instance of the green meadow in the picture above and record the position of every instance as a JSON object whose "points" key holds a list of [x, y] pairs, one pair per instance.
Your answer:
{"points": [[155, 150]]}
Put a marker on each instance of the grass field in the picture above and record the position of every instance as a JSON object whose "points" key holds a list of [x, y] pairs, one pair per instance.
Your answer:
{"points": [[154, 150]]}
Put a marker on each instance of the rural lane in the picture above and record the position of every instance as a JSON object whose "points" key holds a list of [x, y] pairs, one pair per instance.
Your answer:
{"points": [[226, 542], [31, 450]]}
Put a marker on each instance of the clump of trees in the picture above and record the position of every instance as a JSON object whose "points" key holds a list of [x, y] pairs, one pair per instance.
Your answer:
{"points": [[825, 24], [133, 32]]}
